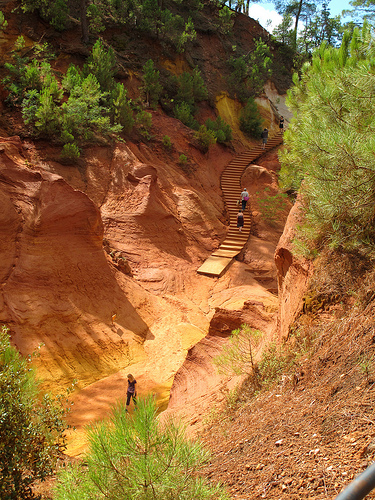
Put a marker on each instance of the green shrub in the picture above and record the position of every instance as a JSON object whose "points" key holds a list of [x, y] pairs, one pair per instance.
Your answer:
{"points": [[167, 143], [191, 89], [3, 22], [72, 78], [272, 207], [205, 138], [31, 426], [249, 72], [138, 457], [47, 116], [152, 86], [226, 20], [330, 148], [144, 122], [187, 35], [83, 115], [70, 152], [183, 113], [250, 119], [220, 128], [55, 12], [121, 108], [102, 64], [239, 356], [182, 159]]}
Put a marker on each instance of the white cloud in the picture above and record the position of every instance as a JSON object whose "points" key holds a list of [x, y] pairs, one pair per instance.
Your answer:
{"points": [[262, 15]]}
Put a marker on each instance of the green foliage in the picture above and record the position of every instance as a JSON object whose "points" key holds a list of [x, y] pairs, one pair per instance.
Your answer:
{"points": [[330, 144], [72, 78], [47, 116], [70, 152], [144, 123], [259, 70], [102, 64], [167, 143], [275, 360], [250, 72], [183, 113], [31, 426], [90, 108], [187, 35], [191, 89], [244, 355], [221, 130], [82, 113], [250, 119], [138, 457], [272, 207], [96, 13], [182, 159], [152, 86], [239, 356], [3, 22], [365, 366], [205, 137], [226, 20], [121, 108], [55, 11]]}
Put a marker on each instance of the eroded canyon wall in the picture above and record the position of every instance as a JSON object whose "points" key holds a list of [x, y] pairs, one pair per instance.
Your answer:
{"points": [[293, 272], [57, 287]]}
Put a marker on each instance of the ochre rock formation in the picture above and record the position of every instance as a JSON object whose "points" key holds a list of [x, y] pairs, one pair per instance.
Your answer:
{"points": [[292, 273], [57, 287]]}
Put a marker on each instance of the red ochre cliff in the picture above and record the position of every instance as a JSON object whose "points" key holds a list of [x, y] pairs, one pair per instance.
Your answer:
{"points": [[98, 269]]}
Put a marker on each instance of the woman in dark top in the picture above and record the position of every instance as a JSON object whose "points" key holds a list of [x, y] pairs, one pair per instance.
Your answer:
{"points": [[281, 124], [240, 220], [131, 392]]}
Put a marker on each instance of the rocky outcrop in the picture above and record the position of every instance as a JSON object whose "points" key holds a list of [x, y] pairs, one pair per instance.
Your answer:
{"points": [[57, 287], [292, 274], [198, 386]]}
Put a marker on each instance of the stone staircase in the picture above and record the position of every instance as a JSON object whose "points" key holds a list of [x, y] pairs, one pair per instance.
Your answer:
{"points": [[231, 186]]}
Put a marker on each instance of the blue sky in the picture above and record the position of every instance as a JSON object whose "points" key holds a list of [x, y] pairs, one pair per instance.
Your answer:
{"points": [[262, 12]]}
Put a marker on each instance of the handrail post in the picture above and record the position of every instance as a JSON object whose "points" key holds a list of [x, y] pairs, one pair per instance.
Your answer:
{"points": [[360, 486]]}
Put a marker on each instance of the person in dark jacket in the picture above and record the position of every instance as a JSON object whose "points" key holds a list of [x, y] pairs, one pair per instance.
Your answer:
{"points": [[264, 137], [131, 392]]}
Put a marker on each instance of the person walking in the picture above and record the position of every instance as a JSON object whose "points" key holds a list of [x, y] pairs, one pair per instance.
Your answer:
{"points": [[131, 392], [240, 220], [281, 124], [244, 198], [264, 137]]}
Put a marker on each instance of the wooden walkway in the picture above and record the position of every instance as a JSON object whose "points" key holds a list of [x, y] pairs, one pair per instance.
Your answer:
{"points": [[230, 183]]}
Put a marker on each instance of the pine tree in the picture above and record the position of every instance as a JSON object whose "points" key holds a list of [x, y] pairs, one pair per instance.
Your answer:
{"points": [[31, 426], [331, 142], [138, 457]]}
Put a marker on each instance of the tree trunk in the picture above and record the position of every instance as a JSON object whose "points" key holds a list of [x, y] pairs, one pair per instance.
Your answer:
{"points": [[296, 23], [84, 22]]}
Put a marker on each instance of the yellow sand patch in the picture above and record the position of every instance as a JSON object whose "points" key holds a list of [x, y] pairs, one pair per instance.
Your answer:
{"points": [[176, 67], [229, 110]]}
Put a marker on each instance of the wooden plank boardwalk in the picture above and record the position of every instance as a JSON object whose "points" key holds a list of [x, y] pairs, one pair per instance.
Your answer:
{"points": [[230, 183]]}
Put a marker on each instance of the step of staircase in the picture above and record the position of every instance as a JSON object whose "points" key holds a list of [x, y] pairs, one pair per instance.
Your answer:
{"points": [[230, 183]]}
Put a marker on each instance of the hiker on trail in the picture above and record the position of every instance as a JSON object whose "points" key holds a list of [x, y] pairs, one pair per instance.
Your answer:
{"points": [[240, 221], [264, 137], [281, 124], [244, 198], [131, 392]]}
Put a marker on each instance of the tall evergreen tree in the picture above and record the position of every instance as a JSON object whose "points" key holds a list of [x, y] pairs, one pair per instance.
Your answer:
{"points": [[331, 140]]}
